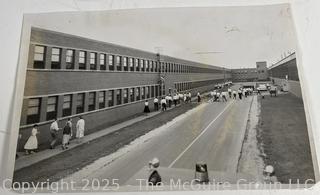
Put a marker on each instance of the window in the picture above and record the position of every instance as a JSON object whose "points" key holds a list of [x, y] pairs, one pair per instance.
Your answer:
{"points": [[55, 58], [147, 92], [118, 63], [141, 64], [157, 91], [132, 95], [102, 98], [143, 93], [92, 101], [110, 98], [111, 65], [82, 60], [118, 94], [147, 65], [125, 96], [70, 59], [152, 91], [136, 62], [138, 93], [33, 113], [155, 67], [39, 57], [151, 66], [93, 61], [131, 64], [103, 61], [80, 103], [67, 105], [125, 63], [52, 107]]}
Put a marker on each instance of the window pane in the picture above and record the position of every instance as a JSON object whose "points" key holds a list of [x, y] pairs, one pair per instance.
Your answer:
{"points": [[52, 100], [33, 110], [55, 58], [82, 54], [38, 57], [66, 105], [51, 108], [34, 102], [39, 49], [56, 51]]}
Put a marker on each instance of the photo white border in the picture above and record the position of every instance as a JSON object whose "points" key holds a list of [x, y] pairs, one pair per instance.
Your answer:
{"points": [[13, 73]]}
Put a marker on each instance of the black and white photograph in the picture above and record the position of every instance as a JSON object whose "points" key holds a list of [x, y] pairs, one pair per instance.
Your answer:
{"points": [[197, 98]]}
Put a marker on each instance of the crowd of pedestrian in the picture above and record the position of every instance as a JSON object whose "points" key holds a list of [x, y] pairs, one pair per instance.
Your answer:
{"points": [[169, 100], [31, 146], [221, 95]]}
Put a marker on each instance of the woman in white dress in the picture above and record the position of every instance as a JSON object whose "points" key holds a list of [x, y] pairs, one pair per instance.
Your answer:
{"points": [[32, 144]]}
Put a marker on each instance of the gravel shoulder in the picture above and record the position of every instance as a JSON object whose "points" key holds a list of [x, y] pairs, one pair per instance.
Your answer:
{"points": [[251, 160]]}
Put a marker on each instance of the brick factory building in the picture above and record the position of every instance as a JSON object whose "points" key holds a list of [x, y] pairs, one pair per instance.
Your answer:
{"points": [[260, 73], [285, 74], [68, 76]]}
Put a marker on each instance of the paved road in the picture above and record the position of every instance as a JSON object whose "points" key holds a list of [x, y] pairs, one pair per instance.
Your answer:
{"points": [[213, 133]]}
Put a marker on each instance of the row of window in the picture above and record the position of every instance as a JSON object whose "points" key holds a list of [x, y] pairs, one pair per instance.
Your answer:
{"points": [[248, 71], [183, 86], [96, 100], [104, 61]]}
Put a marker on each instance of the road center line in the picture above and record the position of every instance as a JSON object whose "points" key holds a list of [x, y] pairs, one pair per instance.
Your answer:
{"points": [[181, 154]]}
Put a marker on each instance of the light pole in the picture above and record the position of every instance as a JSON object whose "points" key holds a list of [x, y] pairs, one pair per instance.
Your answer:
{"points": [[161, 72]]}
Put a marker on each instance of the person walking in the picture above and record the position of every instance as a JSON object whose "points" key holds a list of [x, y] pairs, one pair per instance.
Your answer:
{"points": [[175, 99], [199, 97], [66, 134], [224, 96], [229, 91], [240, 94], [156, 104], [80, 129], [185, 98], [170, 100], [71, 133], [234, 94], [163, 104], [189, 96], [146, 107], [218, 96], [32, 143], [54, 129], [214, 95]]}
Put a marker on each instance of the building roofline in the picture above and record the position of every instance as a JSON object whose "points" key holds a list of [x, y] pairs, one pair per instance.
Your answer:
{"points": [[125, 47], [284, 60]]}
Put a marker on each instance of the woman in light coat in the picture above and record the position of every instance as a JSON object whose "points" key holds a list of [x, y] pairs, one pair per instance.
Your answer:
{"points": [[80, 129]]}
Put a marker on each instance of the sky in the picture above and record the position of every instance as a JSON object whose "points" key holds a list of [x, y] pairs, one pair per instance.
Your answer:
{"points": [[231, 37]]}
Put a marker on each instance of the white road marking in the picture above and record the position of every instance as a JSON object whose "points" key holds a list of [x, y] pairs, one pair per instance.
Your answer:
{"points": [[181, 154]]}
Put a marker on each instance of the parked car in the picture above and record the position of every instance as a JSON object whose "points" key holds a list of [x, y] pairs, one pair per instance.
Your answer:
{"points": [[262, 87]]}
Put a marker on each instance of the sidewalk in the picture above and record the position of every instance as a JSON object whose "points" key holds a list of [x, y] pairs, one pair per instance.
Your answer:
{"points": [[27, 160]]}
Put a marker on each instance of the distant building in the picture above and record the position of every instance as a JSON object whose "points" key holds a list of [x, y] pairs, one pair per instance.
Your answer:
{"points": [[260, 73]]}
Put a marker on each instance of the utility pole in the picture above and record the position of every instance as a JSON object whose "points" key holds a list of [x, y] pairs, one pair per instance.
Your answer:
{"points": [[161, 72]]}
